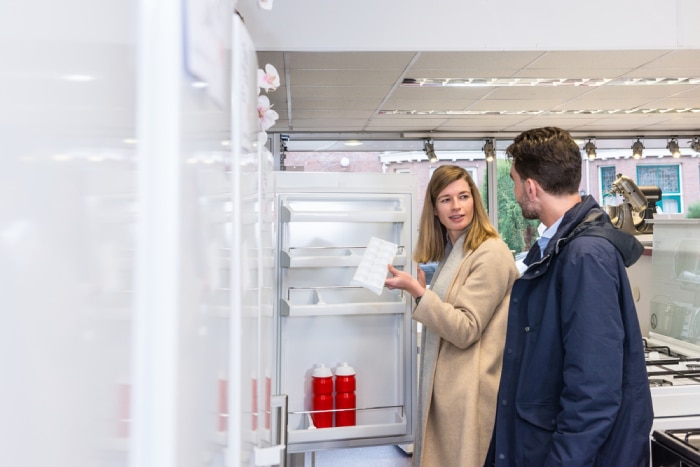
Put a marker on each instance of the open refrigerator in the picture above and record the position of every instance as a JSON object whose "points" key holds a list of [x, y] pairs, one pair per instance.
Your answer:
{"points": [[325, 222]]}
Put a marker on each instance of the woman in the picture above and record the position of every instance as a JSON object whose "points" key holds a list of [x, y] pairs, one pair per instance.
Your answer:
{"points": [[464, 316]]}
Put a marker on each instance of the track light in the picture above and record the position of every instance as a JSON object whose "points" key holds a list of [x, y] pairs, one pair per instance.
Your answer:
{"points": [[590, 149], [695, 144], [637, 149], [429, 148], [489, 150], [672, 146]]}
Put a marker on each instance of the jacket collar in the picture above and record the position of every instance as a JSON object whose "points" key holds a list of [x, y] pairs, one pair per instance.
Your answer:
{"points": [[587, 218]]}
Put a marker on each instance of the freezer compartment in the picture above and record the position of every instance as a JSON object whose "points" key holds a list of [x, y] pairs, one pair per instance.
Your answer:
{"points": [[372, 422], [344, 300], [320, 230], [323, 257]]}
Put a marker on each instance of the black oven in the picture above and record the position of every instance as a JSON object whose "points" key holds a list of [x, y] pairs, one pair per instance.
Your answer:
{"points": [[676, 448]]}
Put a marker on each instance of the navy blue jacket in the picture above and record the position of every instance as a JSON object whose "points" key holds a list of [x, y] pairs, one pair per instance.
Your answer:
{"points": [[574, 387]]}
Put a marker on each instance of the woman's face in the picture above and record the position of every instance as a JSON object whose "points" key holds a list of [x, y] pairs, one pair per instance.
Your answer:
{"points": [[454, 207]]}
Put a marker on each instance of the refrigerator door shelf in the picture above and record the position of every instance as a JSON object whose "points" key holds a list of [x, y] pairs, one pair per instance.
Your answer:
{"points": [[384, 423], [326, 257], [341, 301]]}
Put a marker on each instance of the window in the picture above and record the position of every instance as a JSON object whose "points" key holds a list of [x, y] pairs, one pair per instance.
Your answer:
{"points": [[518, 233], [607, 177], [666, 177]]}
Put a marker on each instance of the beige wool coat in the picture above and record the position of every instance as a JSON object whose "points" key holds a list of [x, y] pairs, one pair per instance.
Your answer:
{"points": [[459, 406]]}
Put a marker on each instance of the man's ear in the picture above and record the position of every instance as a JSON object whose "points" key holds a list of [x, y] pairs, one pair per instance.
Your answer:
{"points": [[532, 188]]}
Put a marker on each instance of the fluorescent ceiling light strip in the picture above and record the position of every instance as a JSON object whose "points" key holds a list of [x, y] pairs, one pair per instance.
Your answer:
{"points": [[533, 112], [506, 82]]}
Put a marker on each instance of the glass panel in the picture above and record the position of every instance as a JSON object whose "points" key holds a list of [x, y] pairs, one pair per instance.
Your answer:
{"points": [[670, 204], [607, 177], [519, 233], [664, 176]]}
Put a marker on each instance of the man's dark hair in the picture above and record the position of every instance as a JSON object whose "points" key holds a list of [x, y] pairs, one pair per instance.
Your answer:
{"points": [[550, 156]]}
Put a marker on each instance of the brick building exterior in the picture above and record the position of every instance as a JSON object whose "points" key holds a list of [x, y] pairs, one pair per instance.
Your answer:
{"points": [[681, 174]]}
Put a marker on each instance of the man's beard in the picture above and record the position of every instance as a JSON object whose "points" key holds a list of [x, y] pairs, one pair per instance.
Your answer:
{"points": [[528, 211]]}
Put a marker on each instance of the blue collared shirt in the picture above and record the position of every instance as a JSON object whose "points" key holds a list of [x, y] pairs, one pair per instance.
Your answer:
{"points": [[547, 234]]}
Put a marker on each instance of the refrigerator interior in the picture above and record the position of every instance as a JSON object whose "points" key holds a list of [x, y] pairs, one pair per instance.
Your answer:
{"points": [[325, 224]]}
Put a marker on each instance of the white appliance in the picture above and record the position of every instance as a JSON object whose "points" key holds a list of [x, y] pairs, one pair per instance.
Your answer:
{"points": [[325, 224], [673, 345]]}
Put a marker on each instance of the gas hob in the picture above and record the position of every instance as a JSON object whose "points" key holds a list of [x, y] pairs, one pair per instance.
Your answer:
{"points": [[669, 368], [674, 378]]}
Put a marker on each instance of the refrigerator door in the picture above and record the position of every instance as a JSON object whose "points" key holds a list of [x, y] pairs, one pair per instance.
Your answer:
{"points": [[326, 222]]}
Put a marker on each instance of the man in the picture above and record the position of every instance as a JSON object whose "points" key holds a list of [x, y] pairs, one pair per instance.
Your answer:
{"points": [[574, 389]]}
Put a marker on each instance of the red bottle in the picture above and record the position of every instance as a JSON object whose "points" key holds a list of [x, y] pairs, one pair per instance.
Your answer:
{"points": [[322, 390], [345, 401]]}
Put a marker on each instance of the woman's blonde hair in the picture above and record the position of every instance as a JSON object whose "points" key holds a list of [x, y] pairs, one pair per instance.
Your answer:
{"points": [[432, 235]]}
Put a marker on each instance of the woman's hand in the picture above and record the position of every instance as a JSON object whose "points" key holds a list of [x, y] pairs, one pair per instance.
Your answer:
{"points": [[405, 281], [421, 277]]}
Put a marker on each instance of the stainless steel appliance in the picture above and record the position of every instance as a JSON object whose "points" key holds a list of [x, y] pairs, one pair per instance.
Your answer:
{"points": [[638, 207], [676, 448], [325, 223]]}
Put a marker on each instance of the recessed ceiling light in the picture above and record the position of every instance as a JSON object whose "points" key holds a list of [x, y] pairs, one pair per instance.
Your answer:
{"points": [[61, 157], [352, 142], [79, 78]]}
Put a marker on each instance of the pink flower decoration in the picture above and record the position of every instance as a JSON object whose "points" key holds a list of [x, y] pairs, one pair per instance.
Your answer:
{"points": [[269, 80], [266, 115]]}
